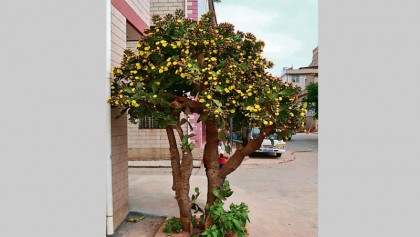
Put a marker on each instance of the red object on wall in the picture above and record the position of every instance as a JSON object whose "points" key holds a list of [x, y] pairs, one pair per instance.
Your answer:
{"points": [[194, 9], [130, 15]]}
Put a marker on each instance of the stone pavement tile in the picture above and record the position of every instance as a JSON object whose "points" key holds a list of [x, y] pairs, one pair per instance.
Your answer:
{"points": [[146, 227]]}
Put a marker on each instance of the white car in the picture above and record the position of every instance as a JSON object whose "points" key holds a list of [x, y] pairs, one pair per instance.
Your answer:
{"points": [[273, 146]]}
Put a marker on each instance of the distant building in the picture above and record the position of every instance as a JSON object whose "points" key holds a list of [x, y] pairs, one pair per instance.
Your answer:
{"points": [[303, 77]]}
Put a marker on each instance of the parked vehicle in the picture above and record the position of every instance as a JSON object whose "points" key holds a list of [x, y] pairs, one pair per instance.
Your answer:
{"points": [[270, 144]]}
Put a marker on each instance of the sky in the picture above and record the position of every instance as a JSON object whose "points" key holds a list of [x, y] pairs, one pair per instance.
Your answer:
{"points": [[289, 28]]}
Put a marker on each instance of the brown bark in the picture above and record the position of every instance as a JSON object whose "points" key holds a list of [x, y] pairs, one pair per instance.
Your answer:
{"points": [[215, 176], [181, 173], [236, 159], [212, 164]]}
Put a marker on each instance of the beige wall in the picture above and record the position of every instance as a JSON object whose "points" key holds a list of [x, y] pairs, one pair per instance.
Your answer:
{"points": [[142, 8], [163, 7], [152, 144], [119, 128]]}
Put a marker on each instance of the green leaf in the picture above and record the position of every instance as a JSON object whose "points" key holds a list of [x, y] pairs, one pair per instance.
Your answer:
{"points": [[185, 139], [154, 88], [286, 92], [222, 135], [217, 102], [191, 146], [216, 192], [227, 148]]}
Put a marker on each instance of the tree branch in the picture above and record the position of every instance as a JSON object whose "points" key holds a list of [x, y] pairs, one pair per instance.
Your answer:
{"points": [[236, 159], [175, 159]]}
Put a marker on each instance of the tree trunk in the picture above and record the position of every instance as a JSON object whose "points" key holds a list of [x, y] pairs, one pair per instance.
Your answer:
{"points": [[212, 164], [215, 176], [181, 173]]}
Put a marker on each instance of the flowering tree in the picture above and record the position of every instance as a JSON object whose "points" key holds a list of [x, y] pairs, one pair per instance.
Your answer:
{"points": [[187, 66]]}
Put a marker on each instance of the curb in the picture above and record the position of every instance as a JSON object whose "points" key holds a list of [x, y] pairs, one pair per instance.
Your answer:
{"points": [[160, 233]]}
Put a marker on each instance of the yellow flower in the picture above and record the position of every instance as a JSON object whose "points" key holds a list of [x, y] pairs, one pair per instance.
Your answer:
{"points": [[189, 65], [160, 70], [291, 114], [276, 113], [195, 43], [302, 114], [227, 90], [179, 20], [138, 65], [217, 111], [147, 48], [213, 59], [174, 63], [209, 97], [280, 98], [232, 111], [202, 100], [158, 83], [154, 96], [205, 83], [286, 85], [249, 93], [265, 122], [183, 75], [257, 106], [178, 43]]}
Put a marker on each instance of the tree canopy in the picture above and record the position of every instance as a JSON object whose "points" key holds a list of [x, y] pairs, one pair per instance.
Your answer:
{"points": [[183, 65]]}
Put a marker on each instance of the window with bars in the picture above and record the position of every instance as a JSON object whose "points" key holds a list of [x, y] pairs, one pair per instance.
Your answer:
{"points": [[148, 122]]}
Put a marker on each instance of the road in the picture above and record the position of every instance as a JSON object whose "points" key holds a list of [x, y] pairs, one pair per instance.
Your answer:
{"points": [[282, 197], [281, 193]]}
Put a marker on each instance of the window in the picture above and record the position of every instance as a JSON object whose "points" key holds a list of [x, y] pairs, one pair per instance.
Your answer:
{"points": [[148, 122], [295, 78]]}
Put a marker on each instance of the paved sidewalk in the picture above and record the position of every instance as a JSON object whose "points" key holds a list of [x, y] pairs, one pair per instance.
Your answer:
{"points": [[157, 163], [280, 192]]}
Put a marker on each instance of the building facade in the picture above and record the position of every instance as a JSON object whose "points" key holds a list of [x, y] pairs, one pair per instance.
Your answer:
{"points": [[146, 140], [129, 19], [303, 77]]}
